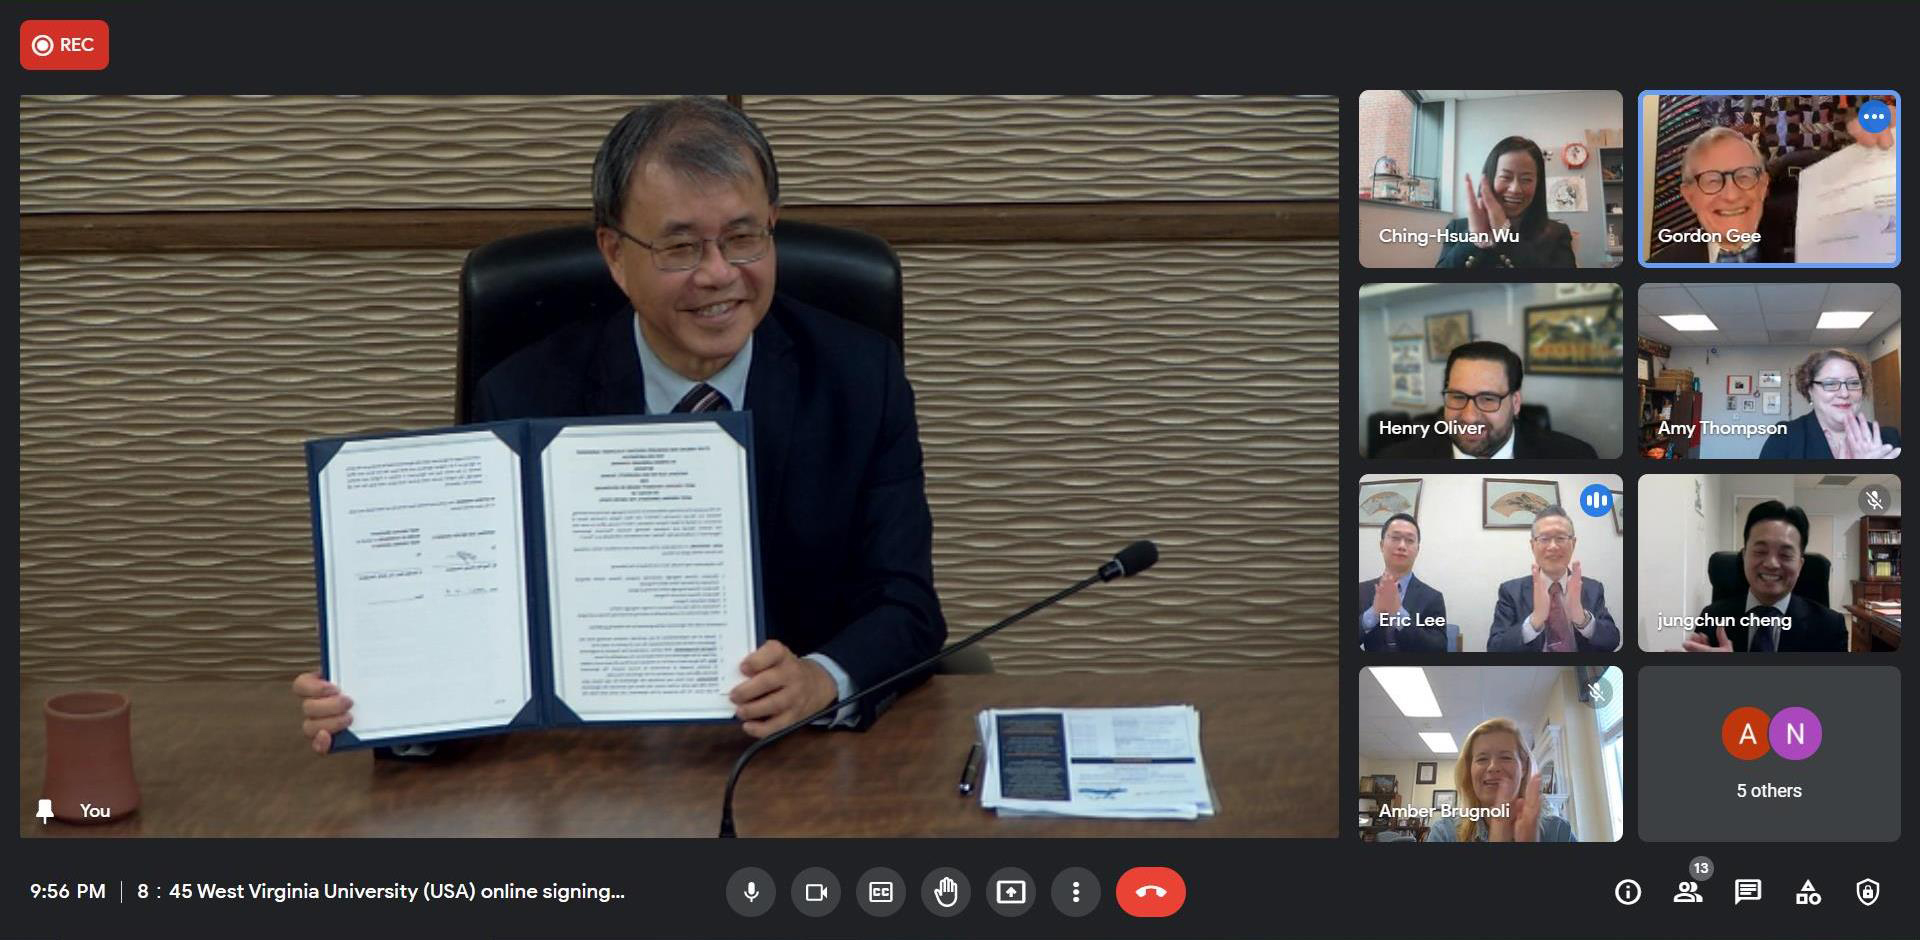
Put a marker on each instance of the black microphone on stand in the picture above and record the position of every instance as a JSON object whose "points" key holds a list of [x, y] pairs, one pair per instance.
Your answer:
{"points": [[1128, 561]]}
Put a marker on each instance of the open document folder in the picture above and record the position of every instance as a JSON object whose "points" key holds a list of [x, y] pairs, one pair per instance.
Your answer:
{"points": [[536, 574], [1110, 763]]}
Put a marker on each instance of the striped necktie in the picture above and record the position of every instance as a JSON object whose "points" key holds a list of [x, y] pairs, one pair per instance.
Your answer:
{"points": [[1559, 631], [703, 397]]}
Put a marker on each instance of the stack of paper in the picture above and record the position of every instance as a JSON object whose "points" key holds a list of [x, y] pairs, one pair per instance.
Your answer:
{"points": [[1111, 763]]}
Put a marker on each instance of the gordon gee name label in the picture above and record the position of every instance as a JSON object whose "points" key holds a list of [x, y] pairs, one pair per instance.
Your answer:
{"points": [[1668, 236]]}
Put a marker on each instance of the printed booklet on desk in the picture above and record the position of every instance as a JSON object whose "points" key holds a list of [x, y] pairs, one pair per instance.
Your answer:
{"points": [[536, 574]]}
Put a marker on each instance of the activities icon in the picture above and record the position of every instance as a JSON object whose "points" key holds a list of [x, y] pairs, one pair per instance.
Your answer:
{"points": [[1807, 896]]}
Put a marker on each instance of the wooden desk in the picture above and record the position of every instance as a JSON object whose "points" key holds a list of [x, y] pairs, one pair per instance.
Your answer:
{"points": [[1871, 631], [227, 759]]}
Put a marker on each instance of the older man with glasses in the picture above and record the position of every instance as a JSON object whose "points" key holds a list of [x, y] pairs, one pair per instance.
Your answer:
{"points": [[685, 197], [1724, 180], [1555, 609], [1480, 417]]}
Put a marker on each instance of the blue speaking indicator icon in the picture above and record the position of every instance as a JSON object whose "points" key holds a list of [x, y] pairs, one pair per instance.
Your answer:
{"points": [[1875, 116], [1597, 500]]}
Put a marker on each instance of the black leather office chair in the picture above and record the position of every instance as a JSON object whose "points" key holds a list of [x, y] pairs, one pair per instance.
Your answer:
{"points": [[518, 290], [1729, 577]]}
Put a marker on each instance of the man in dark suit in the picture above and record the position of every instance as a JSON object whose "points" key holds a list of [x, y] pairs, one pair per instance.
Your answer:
{"points": [[686, 194], [1770, 618], [1554, 609], [1399, 612], [1482, 405]]}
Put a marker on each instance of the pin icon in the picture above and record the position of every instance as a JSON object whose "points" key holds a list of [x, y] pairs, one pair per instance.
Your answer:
{"points": [[46, 811]]}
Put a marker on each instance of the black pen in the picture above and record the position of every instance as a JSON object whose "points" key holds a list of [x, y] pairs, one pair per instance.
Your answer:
{"points": [[967, 769]]}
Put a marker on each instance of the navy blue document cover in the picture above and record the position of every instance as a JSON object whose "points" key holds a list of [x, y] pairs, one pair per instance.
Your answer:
{"points": [[529, 441]]}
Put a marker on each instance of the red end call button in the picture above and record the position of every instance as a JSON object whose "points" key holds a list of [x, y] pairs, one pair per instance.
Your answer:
{"points": [[1150, 892], [63, 45]]}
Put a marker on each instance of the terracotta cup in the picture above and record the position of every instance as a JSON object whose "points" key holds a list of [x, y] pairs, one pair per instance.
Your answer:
{"points": [[90, 757]]}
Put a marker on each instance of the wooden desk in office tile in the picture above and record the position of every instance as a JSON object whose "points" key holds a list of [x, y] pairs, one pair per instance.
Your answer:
{"points": [[225, 758]]}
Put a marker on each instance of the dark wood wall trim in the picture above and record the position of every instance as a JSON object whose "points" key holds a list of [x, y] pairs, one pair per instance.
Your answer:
{"points": [[354, 230]]}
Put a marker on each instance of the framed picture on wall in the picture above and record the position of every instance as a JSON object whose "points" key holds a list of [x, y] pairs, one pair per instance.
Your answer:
{"points": [[1381, 499], [1581, 337], [1739, 384], [1566, 194], [1445, 799], [1770, 379], [1770, 403], [1619, 528], [1407, 365], [1446, 331], [1426, 771], [1511, 504], [1749, 404]]}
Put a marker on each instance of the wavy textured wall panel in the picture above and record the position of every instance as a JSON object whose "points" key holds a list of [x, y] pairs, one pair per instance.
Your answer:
{"points": [[165, 154], [163, 401], [148, 154], [1071, 399], [1074, 399], [974, 148]]}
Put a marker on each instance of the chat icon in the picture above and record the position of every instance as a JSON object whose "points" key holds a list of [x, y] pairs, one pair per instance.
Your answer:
{"points": [[1746, 889]]}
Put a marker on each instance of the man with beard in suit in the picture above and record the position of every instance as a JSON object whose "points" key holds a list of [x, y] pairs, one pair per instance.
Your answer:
{"points": [[1482, 407]]}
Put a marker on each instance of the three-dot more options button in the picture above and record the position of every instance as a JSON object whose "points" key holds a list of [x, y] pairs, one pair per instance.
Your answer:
{"points": [[63, 45]]}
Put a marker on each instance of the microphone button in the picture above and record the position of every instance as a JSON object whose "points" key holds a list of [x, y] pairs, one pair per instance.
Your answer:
{"points": [[750, 892]]}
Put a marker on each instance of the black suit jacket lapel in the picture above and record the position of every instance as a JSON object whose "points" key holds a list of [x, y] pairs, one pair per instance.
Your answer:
{"points": [[773, 386], [617, 385]]}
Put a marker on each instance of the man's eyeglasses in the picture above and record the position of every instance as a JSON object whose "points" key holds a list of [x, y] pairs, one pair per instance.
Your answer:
{"points": [[684, 252], [1713, 181], [1554, 541], [1485, 401], [1399, 538], [1834, 385]]}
